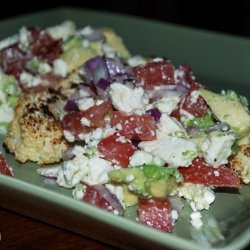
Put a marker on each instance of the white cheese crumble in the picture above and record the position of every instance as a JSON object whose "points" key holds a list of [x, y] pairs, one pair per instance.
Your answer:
{"points": [[127, 99], [136, 61], [68, 136], [73, 171], [97, 171], [140, 158], [60, 67], [173, 150], [9, 41], [218, 147], [117, 190], [24, 38], [168, 104], [170, 126], [195, 220], [85, 122], [62, 31], [200, 196], [49, 171], [29, 80], [85, 103]]}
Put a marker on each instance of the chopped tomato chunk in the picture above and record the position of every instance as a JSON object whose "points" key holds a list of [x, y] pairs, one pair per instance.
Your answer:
{"points": [[100, 196], [4, 168], [156, 213], [44, 46], [72, 122], [116, 149], [96, 114], [137, 127], [201, 173], [155, 74]]}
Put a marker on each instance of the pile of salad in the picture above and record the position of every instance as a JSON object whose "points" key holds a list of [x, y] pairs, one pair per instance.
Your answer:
{"points": [[143, 133]]}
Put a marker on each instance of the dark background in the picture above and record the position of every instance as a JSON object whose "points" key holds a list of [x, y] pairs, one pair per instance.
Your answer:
{"points": [[231, 18]]}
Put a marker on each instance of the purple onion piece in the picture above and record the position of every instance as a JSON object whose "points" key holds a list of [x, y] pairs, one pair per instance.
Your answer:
{"points": [[155, 113], [92, 63], [109, 197], [71, 105], [68, 155], [103, 84], [50, 180]]}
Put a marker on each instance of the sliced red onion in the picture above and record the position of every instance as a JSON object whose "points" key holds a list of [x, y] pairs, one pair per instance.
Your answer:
{"points": [[103, 84], [71, 105], [165, 91], [96, 69], [89, 89], [68, 155], [50, 180], [92, 63], [155, 113], [109, 197], [220, 127]]}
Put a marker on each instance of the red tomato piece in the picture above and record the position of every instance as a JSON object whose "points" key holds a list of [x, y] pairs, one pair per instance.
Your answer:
{"points": [[137, 127], [116, 149], [100, 196], [201, 173], [96, 114], [44, 46], [155, 74], [195, 106], [72, 122], [4, 168], [13, 60], [156, 213]]}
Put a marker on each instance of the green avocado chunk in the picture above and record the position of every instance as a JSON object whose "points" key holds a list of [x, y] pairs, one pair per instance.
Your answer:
{"points": [[228, 110], [148, 180]]}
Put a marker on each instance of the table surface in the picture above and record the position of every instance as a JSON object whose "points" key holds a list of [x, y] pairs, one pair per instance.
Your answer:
{"points": [[20, 232]]}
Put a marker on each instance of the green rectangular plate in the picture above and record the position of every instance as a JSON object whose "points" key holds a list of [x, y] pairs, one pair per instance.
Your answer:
{"points": [[219, 61]]}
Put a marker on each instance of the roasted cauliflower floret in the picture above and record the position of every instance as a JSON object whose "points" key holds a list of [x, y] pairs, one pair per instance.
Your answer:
{"points": [[241, 163], [35, 133]]}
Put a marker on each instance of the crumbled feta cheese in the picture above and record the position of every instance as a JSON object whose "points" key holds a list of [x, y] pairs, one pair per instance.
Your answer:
{"points": [[140, 158], [97, 171], [78, 192], [108, 50], [96, 134], [173, 150], [24, 38], [8, 41], [168, 104], [44, 68], [85, 122], [78, 150], [73, 171], [200, 196], [127, 99], [175, 215], [218, 147], [6, 112], [62, 31], [195, 219], [60, 67], [194, 96], [170, 126], [29, 80], [68, 136], [85, 103], [49, 171], [136, 61]]}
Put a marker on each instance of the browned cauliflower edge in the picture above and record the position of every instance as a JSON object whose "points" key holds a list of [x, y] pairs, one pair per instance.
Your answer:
{"points": [[241, 163], [34, 134]]}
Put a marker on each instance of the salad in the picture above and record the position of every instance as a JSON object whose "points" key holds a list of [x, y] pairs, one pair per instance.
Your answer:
{"points": [[120, 130]]}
